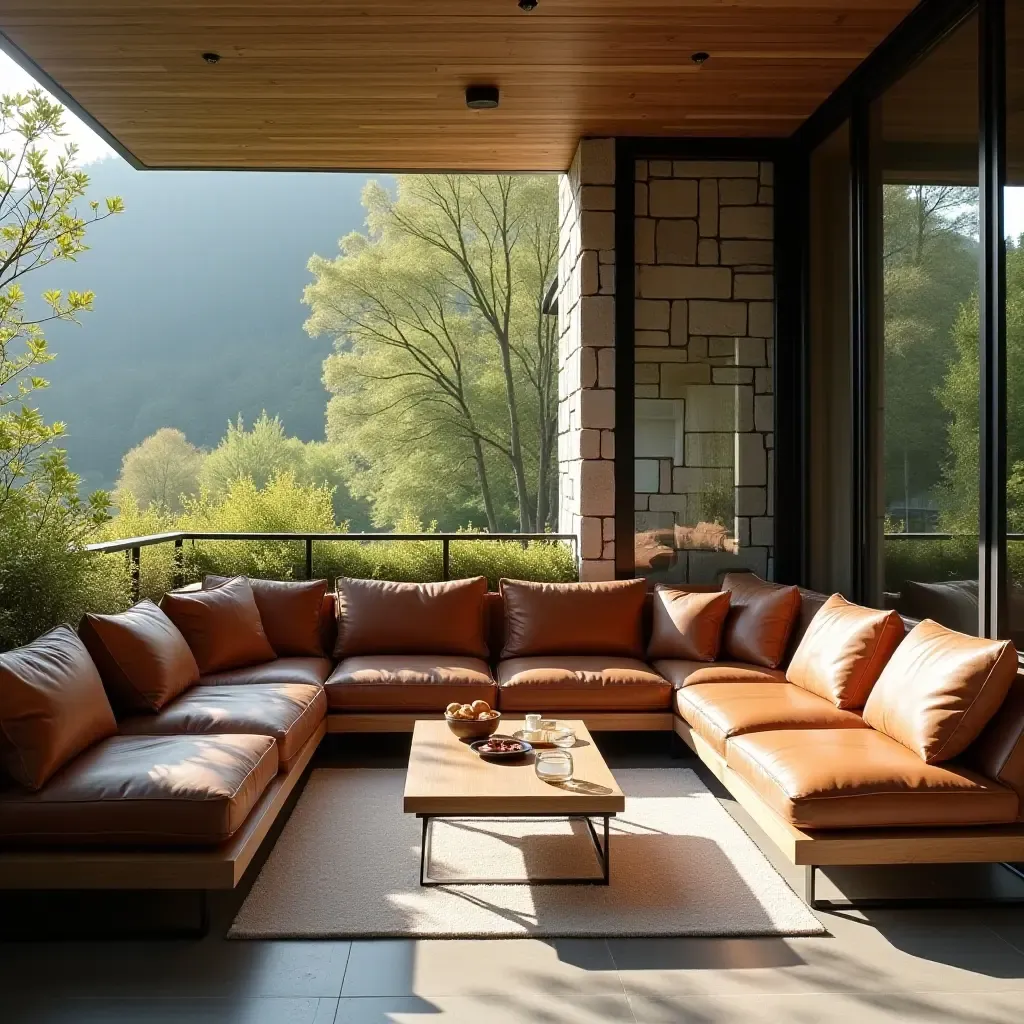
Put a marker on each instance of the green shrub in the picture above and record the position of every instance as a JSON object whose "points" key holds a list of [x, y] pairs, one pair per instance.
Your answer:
{"points": [[930, 561]]}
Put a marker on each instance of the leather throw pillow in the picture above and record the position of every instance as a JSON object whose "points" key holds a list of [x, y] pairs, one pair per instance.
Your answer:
{"points": [[687, 625], [761, 617]]}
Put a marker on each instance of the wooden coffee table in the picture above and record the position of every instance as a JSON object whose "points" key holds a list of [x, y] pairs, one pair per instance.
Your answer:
{"points": [[446, 779]]}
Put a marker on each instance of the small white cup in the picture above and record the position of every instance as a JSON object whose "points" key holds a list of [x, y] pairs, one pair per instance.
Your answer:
{"points": [[533, 723]]}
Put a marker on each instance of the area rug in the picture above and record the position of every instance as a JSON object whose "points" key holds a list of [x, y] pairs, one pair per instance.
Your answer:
{"points": [[347, 866]]}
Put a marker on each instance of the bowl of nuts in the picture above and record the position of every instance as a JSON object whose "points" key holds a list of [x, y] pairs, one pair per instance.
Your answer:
{"points": [[474, 721]]}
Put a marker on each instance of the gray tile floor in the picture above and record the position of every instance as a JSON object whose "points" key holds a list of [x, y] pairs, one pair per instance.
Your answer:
{"points": [[923, 965]]}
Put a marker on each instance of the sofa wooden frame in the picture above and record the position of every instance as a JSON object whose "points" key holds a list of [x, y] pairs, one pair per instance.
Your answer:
{"points": [[596, 721]]}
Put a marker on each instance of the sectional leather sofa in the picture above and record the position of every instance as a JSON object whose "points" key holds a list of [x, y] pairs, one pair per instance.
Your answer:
{"points": [[156, 748]]}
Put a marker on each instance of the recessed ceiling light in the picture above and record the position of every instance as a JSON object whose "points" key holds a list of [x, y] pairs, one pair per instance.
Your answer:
{"points": [[482, 97], [527, 5], [699, 57], [210, 57]]}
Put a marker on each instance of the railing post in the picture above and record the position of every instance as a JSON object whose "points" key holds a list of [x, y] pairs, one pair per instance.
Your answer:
{"points": [[446, 564], [178, 579], [309, 558], [135, 572]]}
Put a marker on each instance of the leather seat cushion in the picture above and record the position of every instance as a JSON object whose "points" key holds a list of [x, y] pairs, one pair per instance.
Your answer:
{"points": [[682, 673], [408, 682], [281, 670], [581, 683], [144, 791], [717, 711], [290, 712], [858, 778]]}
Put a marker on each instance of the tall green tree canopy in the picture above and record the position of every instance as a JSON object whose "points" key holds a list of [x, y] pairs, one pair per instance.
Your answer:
{"points": [[444, 376], [161, 470]]}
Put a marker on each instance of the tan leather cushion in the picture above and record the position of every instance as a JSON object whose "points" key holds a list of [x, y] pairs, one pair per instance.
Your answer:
{"points": [[408, 682], [573, 618], [581, 683], [687, 625], [761, 617], [52, 706], [689, 673], [720, 710], [999, 751], [282, 670], [290, 712], [222, 626], [290, 612], [381, 617], [858, 778], [140, 791], [844, 651], [142, 658], [939, 690]]}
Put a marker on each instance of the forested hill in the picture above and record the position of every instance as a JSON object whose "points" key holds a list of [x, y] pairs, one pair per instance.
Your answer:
{"points": [[198, 314]]}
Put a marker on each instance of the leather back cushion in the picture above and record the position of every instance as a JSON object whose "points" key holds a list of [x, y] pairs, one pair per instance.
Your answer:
{"points": [[222, 626], [52, 706], [844, 651], [940, 689], [761, 618], [381, 617], [290, 612], [142, 657], [687, 625], [999, 751], [573, 618]]}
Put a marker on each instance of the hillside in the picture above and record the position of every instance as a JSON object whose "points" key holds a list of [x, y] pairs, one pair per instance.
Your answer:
{"points": [[198, 313]]}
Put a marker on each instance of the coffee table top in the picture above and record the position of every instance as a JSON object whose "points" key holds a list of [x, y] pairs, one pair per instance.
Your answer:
{"points": [[446, 777]]}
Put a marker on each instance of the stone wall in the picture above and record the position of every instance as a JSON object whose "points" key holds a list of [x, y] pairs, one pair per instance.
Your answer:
{"points": [[586, 356], [703, 368]]}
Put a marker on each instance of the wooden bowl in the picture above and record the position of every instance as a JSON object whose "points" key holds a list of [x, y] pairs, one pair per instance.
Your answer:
{"points": [[474, 728]]}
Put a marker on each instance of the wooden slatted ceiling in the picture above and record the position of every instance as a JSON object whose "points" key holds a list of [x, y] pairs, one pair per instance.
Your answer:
{"points": [[357, 84]]}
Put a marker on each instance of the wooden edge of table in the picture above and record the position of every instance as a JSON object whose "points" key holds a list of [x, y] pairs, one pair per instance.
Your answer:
{"points": [[219, 868], [980, 844], [598, 721]]}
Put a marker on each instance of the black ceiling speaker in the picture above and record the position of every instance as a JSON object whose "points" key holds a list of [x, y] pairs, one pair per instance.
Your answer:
{"points": [[699, 57], [527, 5], [482, 97], [211, 58]]}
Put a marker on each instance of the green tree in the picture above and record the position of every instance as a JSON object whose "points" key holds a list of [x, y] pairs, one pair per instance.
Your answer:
{"points": [[444, 373], [161, 470], [44, 575], [258, 455]]}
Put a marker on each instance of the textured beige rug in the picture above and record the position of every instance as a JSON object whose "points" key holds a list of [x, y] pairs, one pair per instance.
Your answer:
{"points": [[346, 866]]}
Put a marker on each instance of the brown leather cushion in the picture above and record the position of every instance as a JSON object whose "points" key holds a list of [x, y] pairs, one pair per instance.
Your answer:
{"points": [[290, 712], [222, 626], [278, 672], [290, 612], [939, 690], [687, 625], [581, 683], [999, 751], [381, 617], [720, 710], [52, 706], [141, 791], [858, 778], [761, 617], [142, 658], [408, 682], [573, 618], [844, 651], [689, 673]]}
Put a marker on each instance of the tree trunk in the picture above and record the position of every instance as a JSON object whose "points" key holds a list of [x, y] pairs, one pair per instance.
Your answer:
{"points": [[515, 444], [485, 487]]}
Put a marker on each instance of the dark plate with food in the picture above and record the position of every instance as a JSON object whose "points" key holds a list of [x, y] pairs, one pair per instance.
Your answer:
{"points": [[501, 748]]}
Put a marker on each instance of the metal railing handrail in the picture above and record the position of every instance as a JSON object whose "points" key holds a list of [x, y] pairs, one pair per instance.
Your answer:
{"points": [[941, 536]]}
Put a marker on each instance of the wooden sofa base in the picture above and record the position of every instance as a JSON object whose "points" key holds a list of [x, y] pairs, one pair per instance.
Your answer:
{"points": [[218, 868], [599, 721]]}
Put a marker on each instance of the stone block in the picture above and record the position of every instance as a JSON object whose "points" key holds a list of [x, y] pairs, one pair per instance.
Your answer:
{"points": [[707, 252], [660, 355], [710, 408], [588, 367], [677, 378], [645, 339], [640, 502], [597, 409], [598, 197], [660, 168], [651, 315], [750, 501], [744, 407], [739, 253], [763, 381], [597, 229], [646, 391], [743, 222], [762, 319], [669, 502], [639, 199], [680, 332], [764, 412], [767, 174], [743, 531], [732, 375], [608, 529], [721, 347], [708, 208], [597, 570], [591, 543], [655, 436], [665, 476], [640, 170], [646, 373], [643, 240], [717, 450], [609, 550], [751, 464], [590, 281], [762, 531], [606, 256], [607, 281], [597, 488], [672, 198], [597, 162], [754, 286], [678, 282], [715, 169], [607, 444], [766, 196], [750, 352], [676, 241], [589, 444], [737, 191], [605, 367], [698, 348], [597, 321], [718, 318]]}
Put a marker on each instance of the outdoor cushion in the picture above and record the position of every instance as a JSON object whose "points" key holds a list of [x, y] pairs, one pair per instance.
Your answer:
{"points": [[280, 671], [290, 612], [222, 626], [52, 706], [717, 711], [680, 672], [581, 683], [844, 651], [939, 690], [382, 617], [142, 658], [290, 712], [145, 791], [761, 617], [858, 778], [408, 682], [687, 625], [573, 618]]}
